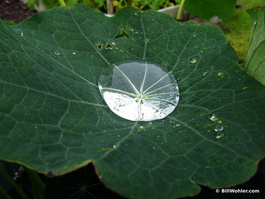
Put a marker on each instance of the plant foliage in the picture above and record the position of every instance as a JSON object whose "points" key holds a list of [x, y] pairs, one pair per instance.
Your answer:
{"points": [[255, 62], [54, 120]]}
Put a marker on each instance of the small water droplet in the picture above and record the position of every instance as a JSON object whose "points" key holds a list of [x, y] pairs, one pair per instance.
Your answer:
{"points": [[114, 146], [219, 135], [57, 52], [17, 173], [141, 128], [177, 125], [213, 117], [73, 53], [19, 32], [158, 136], [193, 61], [220, 74], [219, 128], [154, 148], [119, 136], [255, 22], [205, 73]]}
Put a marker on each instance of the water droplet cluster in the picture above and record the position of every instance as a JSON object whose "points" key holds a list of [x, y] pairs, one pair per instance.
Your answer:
{"points": [[219, 129]]}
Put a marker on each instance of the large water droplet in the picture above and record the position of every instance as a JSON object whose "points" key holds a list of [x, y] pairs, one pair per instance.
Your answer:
{"points": [[139, 90]]}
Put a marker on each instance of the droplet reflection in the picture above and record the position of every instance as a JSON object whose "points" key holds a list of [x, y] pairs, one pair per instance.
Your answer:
{"points": [[139, 90]]}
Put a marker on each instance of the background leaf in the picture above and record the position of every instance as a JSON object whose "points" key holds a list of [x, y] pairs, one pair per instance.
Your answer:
{"points": [[255, 63], [53, 118], [209, 8], [83, 183]]}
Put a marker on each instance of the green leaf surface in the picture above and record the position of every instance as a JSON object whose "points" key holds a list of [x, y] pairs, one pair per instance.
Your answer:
{"points": [[209, 8], [255, 60], [53, 118]]}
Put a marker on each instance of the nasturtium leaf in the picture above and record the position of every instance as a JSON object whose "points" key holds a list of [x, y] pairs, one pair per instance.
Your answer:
{"points": [[209, 8], [54, 119], [255, 60]]}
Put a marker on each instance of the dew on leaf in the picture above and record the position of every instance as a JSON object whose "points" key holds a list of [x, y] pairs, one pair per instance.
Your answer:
{"points": [[141, 128], [219, 135], [205, 73], [139, 90], [219, 128], [73, 53], [110, 45], [19, 32], [213, 117], [177, 125], [193, 61], [57, 52]]}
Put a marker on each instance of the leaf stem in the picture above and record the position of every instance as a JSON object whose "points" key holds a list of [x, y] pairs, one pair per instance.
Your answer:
{"points": [[110, 8], [62, 3], [179, 15], [37, 184], [12, 182]]}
